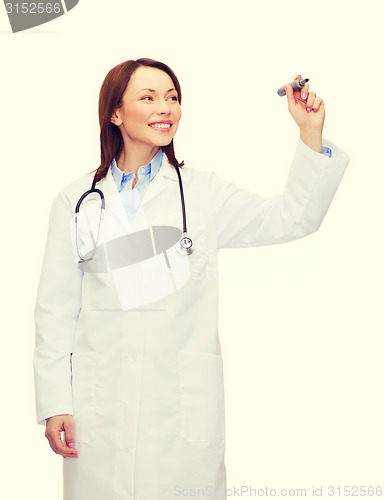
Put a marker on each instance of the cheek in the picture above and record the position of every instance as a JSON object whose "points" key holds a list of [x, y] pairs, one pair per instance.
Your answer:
{"points": [[178, 114], [138, 114]]}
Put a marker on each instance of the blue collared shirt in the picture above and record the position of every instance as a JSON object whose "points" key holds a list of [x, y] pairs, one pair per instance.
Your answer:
{"points": [[131, 198], [326, 151]]}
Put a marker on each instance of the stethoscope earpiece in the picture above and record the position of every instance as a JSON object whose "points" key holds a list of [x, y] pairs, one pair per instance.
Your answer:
{"points": [[185, 245]]}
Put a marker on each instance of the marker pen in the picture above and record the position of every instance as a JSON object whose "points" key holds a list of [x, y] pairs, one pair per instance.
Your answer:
{"points": [[296, 85]]}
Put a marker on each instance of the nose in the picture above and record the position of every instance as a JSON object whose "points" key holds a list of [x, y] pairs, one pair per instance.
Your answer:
{"points": [[163, 107]]}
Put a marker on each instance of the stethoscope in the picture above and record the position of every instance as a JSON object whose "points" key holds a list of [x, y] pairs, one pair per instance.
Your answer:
{"points": [[184, 246]]}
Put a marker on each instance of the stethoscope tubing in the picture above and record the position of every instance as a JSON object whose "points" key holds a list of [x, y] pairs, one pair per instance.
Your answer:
{"points": [[77, 209], [182, 201], [184, 246]]}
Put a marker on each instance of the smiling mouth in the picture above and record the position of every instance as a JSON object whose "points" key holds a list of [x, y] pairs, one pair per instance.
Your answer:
{"points": [[161, 126]]}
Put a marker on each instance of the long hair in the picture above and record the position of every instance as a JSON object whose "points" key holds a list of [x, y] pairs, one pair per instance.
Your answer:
{"points": [[110, 98]]}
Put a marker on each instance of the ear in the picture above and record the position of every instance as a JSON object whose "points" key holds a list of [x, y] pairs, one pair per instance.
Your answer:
{"points": [[115, 118]]}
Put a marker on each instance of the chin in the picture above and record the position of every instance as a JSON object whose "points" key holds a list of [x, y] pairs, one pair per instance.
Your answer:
{"points": [[164, 142], [168, 141]]}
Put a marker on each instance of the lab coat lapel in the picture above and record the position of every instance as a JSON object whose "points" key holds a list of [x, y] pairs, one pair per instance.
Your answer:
{"points": [[159, 183], [108, 184], [116, 220]]}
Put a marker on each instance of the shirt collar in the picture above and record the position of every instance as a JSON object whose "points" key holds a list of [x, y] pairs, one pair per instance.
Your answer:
{"points": [[154, 166]]}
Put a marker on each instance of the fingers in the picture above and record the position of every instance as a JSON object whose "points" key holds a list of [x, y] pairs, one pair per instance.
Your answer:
{"points": [[58, 447], [304, 98], [68, 430], [313, 102], [303, 93], [293, 97], [55, 426]]}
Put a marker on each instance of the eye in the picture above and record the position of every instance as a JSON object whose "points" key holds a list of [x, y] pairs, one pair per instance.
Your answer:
{"points": [[173, 98], [146, 97]]}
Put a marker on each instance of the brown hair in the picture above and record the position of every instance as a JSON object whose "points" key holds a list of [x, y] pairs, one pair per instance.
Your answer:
{"points": [[110, 98]]}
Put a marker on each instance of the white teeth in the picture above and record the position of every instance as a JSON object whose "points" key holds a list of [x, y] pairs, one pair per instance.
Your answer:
{"points": [[161, 125]]}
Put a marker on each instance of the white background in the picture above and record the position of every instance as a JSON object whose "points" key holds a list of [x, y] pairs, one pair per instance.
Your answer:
{"points": [[300, 324]]}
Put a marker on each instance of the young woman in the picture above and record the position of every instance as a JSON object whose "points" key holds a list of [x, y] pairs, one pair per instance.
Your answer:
{"points": [[127, 361]]}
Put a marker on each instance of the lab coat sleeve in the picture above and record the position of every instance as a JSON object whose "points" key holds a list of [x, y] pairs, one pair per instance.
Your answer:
{"points": [[57, 309], [244, 219]]}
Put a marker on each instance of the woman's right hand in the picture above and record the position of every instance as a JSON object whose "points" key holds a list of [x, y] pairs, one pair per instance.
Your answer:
{"points": [[55, 426]]}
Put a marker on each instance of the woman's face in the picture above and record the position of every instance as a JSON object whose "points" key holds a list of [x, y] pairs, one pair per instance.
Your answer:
{"points": [[150, 112]]}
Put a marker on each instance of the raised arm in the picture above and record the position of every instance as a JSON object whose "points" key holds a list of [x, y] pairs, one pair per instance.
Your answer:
{"points": [[243, 218]]}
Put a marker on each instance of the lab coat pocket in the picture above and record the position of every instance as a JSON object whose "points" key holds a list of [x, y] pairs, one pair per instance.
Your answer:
{"points": [[201, 396], [84, 395]]}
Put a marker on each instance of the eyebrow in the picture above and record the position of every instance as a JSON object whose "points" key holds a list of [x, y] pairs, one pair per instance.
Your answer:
{"points": [[152, 90]]}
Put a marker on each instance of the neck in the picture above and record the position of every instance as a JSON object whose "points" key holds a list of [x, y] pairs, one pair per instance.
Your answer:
{"points": [[136, 155]]}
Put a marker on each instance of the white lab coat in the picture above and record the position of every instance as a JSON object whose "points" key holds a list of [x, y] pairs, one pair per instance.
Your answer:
{"points": [[131, 348]]}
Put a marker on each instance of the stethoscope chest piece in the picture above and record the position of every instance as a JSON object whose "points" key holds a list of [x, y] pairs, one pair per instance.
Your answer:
{"points": [[185, 245]]}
